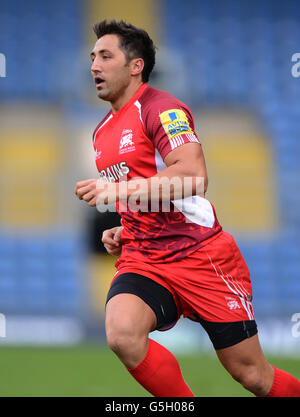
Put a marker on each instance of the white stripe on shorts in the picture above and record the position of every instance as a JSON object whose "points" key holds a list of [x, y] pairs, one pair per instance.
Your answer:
{"points": [[235, 291]]}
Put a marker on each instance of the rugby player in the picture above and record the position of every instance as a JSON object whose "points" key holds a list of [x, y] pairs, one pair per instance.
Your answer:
{"points": [[172, 262]]}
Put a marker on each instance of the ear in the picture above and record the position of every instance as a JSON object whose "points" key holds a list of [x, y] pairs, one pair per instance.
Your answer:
{"points": [[137, 66]]}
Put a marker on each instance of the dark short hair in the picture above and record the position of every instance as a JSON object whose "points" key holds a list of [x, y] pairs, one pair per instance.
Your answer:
{"points": [[135, 42]]}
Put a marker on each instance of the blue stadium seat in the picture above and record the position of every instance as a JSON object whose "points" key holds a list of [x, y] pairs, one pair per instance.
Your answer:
{"points": [[41, 274], [46, 28]]}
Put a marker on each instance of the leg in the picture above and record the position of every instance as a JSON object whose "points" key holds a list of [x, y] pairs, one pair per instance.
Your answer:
{"points": [[129, 319], [128, 322], [236, 342], [247, 364]]}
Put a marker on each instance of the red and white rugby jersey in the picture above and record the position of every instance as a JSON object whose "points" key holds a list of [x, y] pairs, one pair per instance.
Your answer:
{"points": [[133, 142]]}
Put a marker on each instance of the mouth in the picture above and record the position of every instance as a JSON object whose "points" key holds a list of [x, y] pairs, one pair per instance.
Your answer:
{"points": [[99, 82]]}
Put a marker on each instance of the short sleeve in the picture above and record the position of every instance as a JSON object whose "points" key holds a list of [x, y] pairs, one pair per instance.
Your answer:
{"points": [[168, 125]]}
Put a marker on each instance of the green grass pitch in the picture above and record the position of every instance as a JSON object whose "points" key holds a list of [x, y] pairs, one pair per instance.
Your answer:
{"points": [[94, 371]]}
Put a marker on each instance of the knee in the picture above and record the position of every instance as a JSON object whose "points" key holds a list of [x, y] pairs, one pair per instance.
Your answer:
{"points": [[251, 378], [123, 340]]}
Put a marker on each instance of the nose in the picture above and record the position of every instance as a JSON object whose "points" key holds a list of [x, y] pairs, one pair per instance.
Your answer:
{"points": [[95, 67]]}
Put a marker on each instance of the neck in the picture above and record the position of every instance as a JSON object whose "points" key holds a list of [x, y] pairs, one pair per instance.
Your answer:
{"points": [[128, 93]]}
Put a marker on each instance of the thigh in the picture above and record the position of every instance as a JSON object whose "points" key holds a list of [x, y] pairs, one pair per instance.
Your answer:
{"points": [[129, 313], [246, 355], [156, 296]]}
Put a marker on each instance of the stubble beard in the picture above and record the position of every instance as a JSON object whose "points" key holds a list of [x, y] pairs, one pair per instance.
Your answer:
{"points": [[103, 95], [112, 94]]}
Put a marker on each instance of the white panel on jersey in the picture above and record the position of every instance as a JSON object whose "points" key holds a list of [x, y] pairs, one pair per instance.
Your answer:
{"points": [[196, 209], [139, 106], [160, 165]]}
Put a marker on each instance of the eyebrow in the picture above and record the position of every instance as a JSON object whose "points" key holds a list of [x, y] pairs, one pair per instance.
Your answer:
{"points": [[100, 52]]}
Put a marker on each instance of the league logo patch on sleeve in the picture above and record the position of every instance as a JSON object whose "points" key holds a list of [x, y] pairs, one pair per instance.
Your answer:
{"points": [[175, 123]]}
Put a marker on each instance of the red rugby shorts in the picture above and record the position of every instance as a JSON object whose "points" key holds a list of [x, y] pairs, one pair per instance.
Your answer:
{"points": [[213, 282]]}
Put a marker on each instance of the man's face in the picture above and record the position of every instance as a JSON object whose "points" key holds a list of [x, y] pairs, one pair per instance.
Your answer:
{"points": [[109, 69]]}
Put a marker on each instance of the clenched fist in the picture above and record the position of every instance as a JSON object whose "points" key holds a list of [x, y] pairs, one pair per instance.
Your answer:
{"points": [[96, 192], [87, 191], [111, 239]]}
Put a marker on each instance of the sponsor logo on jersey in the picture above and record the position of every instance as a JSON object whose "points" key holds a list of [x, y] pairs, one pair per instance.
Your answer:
{"points": [[175, 123], [115, 172], [126, 142], [232, 303]]}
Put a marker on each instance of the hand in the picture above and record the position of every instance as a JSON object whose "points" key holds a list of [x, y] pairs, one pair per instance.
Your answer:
{"points": [[111, 239], [90, 191], [86, 190]]}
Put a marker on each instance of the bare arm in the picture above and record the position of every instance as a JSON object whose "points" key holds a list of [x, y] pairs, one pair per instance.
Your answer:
{"points": [[182, 162], [186, 161]]}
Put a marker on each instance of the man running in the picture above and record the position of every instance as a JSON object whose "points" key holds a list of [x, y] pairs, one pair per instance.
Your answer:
{"points": [[172, 262]]}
